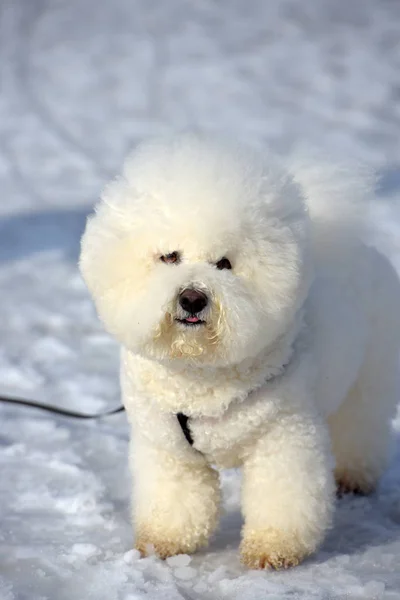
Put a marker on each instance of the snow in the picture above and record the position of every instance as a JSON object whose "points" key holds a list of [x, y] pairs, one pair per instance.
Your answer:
{"points": [[81, 82], [181, 560]]}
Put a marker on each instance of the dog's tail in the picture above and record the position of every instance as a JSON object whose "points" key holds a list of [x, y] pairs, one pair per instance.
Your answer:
{"points": [[338, 197]]}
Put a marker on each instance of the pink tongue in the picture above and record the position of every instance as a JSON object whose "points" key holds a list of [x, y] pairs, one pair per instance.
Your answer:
{"points": [[192, 319]]}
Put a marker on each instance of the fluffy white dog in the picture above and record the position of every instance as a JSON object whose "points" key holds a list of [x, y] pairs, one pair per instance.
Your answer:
{"points": [[258, 330]]}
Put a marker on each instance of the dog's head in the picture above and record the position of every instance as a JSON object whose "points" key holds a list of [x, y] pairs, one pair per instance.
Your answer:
{"points": [[198, 252]]}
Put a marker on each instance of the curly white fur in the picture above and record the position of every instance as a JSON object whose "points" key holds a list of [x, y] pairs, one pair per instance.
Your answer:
{"points": [[296, 356]]}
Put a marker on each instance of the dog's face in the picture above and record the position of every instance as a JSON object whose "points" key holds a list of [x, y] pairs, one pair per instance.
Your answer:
{"points": [[197, 253]]}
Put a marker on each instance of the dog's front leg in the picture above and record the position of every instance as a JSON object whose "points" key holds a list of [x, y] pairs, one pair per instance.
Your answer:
{"points": [[175, 500], [288, 493]]}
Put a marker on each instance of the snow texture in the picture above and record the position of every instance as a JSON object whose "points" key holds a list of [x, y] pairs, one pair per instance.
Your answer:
{"points": [[81, 83]]}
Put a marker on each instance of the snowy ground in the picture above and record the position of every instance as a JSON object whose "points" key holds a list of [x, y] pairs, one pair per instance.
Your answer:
{"points": [[81, 82]]}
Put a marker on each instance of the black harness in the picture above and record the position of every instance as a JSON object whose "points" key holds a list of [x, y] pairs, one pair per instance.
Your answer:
{"points": [[184, 419], [183, 422]]}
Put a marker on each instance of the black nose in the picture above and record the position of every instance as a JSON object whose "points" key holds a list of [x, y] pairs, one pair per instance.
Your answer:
{"points": [[192, 301]]}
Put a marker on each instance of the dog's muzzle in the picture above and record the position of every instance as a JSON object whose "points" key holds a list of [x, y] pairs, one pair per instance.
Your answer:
{"points": [[192, 301]]}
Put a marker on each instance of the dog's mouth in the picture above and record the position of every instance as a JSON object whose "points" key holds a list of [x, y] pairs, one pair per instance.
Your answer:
{"points": [[191, 321]]}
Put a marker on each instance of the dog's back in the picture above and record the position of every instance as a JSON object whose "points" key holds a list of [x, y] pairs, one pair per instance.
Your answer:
{"points": [[353, 304]]}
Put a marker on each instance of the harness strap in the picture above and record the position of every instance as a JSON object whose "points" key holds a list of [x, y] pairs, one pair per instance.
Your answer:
{"points": [[183, 422], [183, 419]]}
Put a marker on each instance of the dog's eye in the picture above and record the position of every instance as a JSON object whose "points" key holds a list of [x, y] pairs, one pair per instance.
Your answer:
{"points": [[224, 263], [170, 258]]}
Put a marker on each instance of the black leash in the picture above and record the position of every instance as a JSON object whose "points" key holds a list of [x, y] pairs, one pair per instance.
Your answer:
{"points": [[59, 411], [182, 419]]}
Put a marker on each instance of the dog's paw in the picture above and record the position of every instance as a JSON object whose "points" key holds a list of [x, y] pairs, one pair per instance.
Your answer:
{"points": [[166, 542], [163, 548], [271, 549], [358, 485]]}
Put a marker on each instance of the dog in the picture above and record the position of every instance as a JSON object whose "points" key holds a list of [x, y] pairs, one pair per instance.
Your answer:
{"points": [[258, 330]]}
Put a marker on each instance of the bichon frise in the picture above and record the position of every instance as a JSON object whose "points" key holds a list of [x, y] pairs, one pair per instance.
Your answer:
{"points": [[257, 330]]}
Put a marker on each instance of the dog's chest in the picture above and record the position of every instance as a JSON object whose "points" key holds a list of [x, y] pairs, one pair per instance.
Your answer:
{"points": [[221, 413], [204, 394], [226, 440], [222, 445]]}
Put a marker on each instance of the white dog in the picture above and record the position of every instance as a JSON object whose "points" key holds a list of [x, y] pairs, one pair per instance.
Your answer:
{"points": [[258, 330]]}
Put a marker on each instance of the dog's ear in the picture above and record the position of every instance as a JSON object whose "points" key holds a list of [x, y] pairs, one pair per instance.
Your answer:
{"points": [[105, 253], [107, 229]]}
